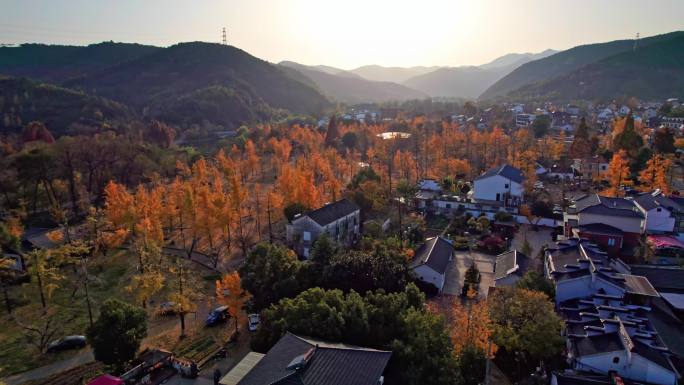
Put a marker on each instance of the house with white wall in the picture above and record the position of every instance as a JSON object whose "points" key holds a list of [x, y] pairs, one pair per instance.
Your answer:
{"points": [[610, 222], [659, 209], [608, 314], [500, 184], [431, 260], [339, 220]]}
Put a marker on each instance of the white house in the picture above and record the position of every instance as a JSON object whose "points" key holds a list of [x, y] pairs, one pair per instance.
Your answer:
{"points": [[431, 261], [619, 352], [339, 220], [624, 110], [658, 209], [501, 184]]}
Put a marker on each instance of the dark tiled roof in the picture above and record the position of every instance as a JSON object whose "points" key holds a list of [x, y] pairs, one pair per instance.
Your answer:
{"points": [[638, 285], [510, 262], [661, 277], [596, 204], [506, 171], [328, 364], [650, 201], [566, 256], [435, 253], [647, 201], [650, 354], [333, 211], [596, 344], [600, 228]]}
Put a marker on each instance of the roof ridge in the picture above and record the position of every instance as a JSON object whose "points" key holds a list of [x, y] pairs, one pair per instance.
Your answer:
{"points": [[427, 257]]}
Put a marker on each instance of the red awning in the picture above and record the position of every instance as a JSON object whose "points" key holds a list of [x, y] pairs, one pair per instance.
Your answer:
{"points": [[665, 241], [106, 380]]}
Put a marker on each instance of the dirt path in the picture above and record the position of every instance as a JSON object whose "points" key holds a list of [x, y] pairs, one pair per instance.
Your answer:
{"points": [[82, 357]]}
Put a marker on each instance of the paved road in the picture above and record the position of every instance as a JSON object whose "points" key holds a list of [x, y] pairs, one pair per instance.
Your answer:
{"points": [[82, 357], [457, 268], [537, 240]]}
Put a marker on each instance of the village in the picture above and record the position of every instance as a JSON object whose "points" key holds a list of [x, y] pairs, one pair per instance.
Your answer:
{"points": [[607, 252], [305, 192]]}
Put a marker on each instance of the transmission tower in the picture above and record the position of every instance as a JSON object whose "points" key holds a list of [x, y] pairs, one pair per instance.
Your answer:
{"points": [[224, 36], [636, 42]]}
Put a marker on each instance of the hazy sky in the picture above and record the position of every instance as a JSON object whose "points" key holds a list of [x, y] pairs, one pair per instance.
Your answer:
{"points": [[345, 33]]}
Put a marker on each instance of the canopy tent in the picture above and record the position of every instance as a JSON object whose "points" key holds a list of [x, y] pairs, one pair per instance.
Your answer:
{"points": [[665, 241]]}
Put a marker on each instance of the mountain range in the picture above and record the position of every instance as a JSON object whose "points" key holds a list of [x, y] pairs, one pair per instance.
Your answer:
{"points": [[575, 64], [214, 86], [404, 83], [203, 84]]}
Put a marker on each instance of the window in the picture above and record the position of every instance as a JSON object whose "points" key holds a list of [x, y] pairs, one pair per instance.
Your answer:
{"points": [[659, 209], [506, 185], [611, 241], [616, 360], [307, 236]]}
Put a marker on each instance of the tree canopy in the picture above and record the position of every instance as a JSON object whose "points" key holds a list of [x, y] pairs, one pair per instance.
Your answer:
{"points": [[117, 333]]}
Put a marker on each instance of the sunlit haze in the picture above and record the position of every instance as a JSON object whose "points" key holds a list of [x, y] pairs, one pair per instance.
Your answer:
{"points": [[346, 33]]}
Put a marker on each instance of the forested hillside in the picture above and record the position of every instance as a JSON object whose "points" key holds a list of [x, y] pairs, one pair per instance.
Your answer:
{"points": [[565, 62]]}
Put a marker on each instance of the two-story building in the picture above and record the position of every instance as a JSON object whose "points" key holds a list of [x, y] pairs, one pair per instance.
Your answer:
{"points": [[503, 184], [661, 212], [612, 223], [588, 169], [339, 220], [611, 325]]}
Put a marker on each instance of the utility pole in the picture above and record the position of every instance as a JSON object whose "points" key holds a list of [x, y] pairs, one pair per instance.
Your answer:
{"points": [[636, 42], [224, 36]]}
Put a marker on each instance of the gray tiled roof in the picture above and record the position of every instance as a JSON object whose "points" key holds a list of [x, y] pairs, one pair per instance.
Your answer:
{"points": [[601, 228], [650, 354], [435, 252], [596, 204], [333, 211], [510, 262], [506, 171], [329, 364], [637, 284], [661, 277], [596, 344]]}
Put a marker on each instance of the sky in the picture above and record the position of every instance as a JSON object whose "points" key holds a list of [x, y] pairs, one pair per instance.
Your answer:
{"points": [[345, 33]]}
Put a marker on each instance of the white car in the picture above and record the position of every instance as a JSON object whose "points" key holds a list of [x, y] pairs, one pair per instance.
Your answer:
{"points": [[253, 320]]}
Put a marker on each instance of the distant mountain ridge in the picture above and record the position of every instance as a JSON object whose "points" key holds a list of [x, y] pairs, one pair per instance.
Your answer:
{"points": [[185, 84], [347, 87], [470, 81], [563, 63], [391, 74], [652, 71]]}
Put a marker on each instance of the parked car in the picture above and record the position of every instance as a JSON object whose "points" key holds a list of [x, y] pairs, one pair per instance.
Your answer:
{"points": [[68, 342], [218, 315], [167, 308], [254, 320]]}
